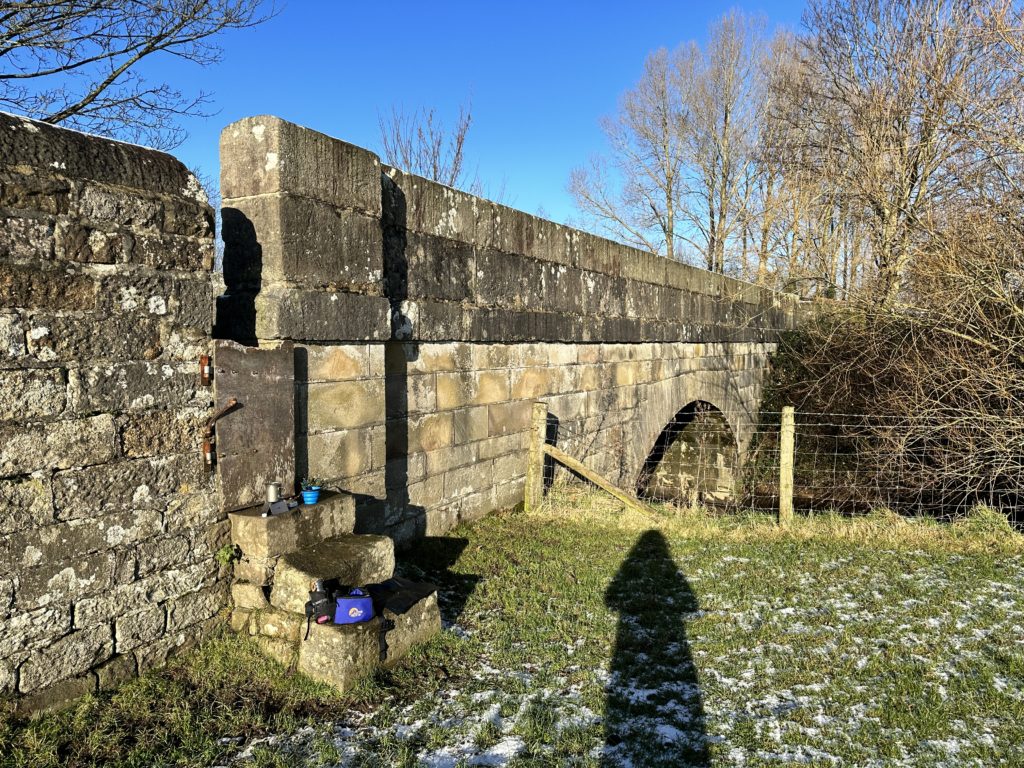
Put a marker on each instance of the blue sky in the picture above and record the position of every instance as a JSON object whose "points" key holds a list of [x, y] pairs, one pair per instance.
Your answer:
{"points": [[540, 75]]}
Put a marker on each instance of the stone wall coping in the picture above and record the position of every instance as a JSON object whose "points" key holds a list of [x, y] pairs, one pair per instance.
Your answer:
{"points": [[84, 156]]}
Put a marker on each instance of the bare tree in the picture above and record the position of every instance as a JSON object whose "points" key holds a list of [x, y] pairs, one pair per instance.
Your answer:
{"points": [[726, 100], [681, 170], [419, 142], [882, 114], [634, 194], [75, 62]]}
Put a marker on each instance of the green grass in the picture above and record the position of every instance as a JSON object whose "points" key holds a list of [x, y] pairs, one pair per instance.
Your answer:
{"points": [[587, 635]]}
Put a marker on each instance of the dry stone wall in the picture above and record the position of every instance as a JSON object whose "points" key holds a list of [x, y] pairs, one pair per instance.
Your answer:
{"points": [[427, 320], [108, 518]]}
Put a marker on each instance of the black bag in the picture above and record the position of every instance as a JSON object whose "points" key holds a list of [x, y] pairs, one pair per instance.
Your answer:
{"points": [[319, 607]]}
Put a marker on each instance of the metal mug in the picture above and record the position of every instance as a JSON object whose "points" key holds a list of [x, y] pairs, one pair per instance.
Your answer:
{"points": [[273, 492]]}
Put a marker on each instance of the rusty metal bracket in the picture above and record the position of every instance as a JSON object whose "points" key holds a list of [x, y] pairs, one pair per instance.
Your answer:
{"points": [[209, 437]]}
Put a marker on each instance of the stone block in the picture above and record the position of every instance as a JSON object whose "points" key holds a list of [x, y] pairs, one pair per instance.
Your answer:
{"points": [[65, 580], [343, 404], [162, 433], [25, 238], [52, 542], [27, 503], [102, 203], [138, 628], [509, 467], [42, 286], [425, 433], [239, 621], [195, 607], [160, 553], [77, 241], [31, 393], [441, 461], [405, 630], [136, 484], [439, 268], [509, 495], [248, 596], [31, 629], [92, 338], [426, 494], [263, 155], [185, 254], [257, 570], [432, 357], [72, 655], [499, 446], [135, 386], [304, 526], [305, 241], [285, 313], [278, 624], [351, 560], [531, 383], [456, 390], [120, 669], [470, 424], [431, 321], [339, 454], [185, 216], [506, 418], [25, 448], [34, 192], [341, 655], [416, 393], [41, 146], [332, 363], [12, 337], [467, 480], [56, 697], [435, 209]]}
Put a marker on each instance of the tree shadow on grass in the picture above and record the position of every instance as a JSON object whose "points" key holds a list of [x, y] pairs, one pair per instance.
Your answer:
{"points": [[654, 712]]}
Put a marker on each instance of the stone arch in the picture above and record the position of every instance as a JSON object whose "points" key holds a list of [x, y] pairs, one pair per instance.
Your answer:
{"points": [[723, 381], [695, 458]]}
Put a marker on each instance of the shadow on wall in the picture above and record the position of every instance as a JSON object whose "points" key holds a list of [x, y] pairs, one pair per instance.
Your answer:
{"points": [[243, 273], [654, 712]]}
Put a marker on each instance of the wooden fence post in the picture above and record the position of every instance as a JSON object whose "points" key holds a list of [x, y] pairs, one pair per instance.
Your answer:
{"points": [[787, 438], [534, 495]]}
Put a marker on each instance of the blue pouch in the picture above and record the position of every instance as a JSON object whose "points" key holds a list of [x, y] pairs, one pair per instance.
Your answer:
{"points": [[353, 608]]}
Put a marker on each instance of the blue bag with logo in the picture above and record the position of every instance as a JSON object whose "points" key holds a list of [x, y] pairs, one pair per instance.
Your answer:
{"points": [[353, 608]]}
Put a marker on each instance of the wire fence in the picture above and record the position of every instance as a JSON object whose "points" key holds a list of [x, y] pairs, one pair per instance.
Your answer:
{"points": [[840, 462]]}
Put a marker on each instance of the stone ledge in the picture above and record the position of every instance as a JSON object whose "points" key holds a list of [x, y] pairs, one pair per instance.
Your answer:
{"points": [[268, 537], [353, 560]]}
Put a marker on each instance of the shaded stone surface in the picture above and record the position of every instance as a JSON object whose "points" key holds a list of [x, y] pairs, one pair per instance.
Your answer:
{"points": [[341, 654], [353, 560]]}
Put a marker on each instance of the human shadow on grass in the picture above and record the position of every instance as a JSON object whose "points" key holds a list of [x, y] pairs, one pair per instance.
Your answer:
{"points": [[654, 712]]}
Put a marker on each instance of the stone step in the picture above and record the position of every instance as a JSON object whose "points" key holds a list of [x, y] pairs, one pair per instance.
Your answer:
{"points": [[341, 654], [261, 540], [351, 560]]}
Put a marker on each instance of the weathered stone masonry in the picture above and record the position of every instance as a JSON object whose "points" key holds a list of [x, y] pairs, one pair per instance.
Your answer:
{"points": [[108, 519], [427, 320]]}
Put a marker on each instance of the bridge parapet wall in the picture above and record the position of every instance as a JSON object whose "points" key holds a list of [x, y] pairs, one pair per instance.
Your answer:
{"points": [[426, 321], [108, 519]]}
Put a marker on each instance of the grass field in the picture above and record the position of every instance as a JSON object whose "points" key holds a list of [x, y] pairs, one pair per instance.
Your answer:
{"points": [[585, 635]]}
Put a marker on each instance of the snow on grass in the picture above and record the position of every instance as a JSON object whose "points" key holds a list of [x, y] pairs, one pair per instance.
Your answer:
{"points": [[581, 638]]}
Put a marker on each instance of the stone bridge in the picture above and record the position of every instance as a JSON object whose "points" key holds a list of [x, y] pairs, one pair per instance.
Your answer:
{"points": [[426, 320], [414, 325]]}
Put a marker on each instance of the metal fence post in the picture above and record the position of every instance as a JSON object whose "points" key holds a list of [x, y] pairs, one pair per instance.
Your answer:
{"points": [[787, 438], [535, 462]]}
